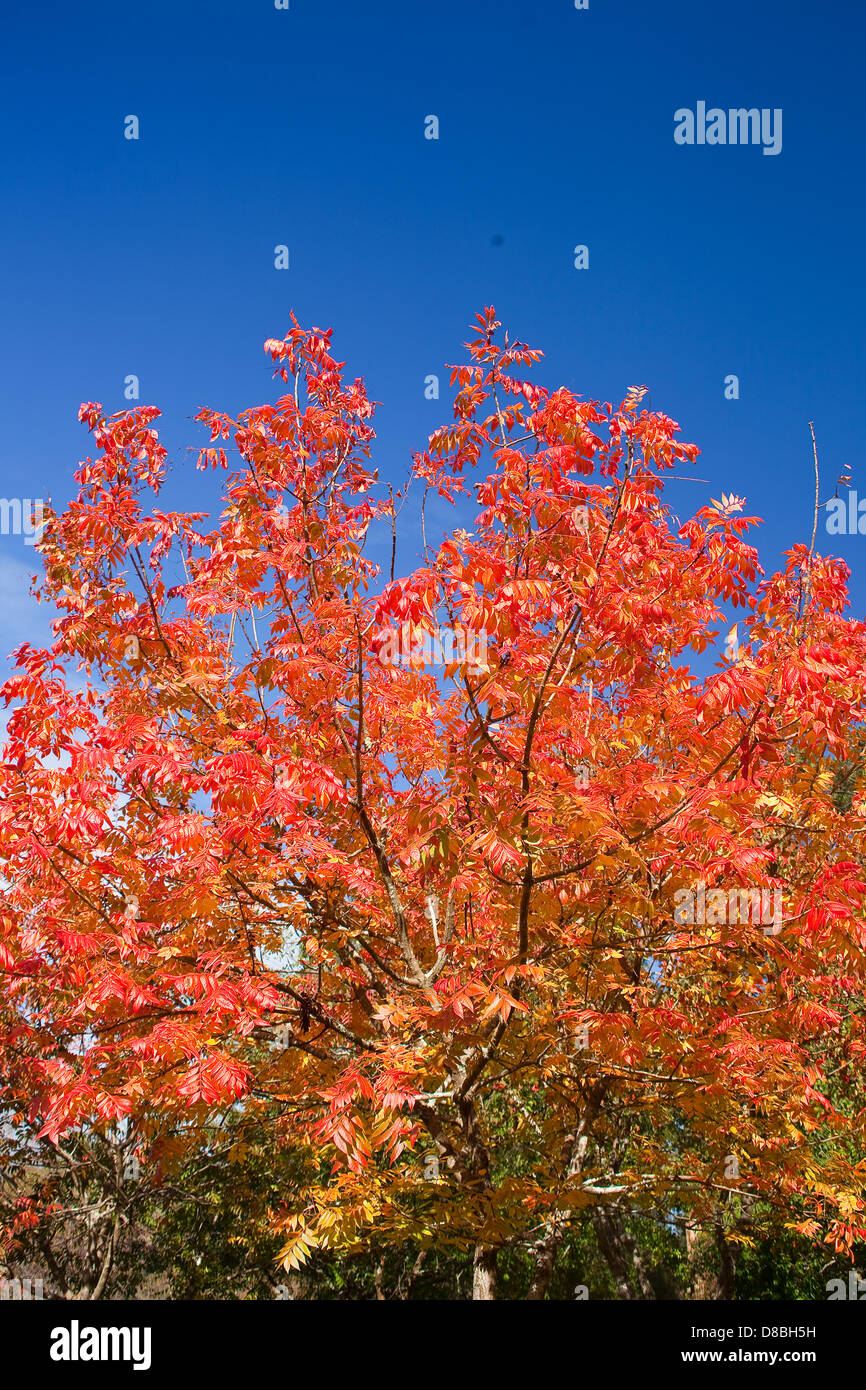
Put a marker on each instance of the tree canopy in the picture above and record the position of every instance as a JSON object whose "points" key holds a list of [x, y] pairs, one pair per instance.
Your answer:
{"points": [[458, 894]]}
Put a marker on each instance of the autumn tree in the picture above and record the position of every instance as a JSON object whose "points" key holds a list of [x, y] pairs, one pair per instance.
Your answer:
{"points": [[262, 857]]}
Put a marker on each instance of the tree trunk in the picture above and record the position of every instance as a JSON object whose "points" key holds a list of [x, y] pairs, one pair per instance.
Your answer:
{"points": [[547, 1248], [711, 1278], [545, 1253], [621, 1254], [484, 1273]]}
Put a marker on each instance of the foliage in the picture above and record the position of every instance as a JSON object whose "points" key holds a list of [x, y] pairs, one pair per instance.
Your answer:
{"points": [[380, 915]]}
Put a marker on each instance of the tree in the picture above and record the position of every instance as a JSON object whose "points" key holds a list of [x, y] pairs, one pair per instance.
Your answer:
{"points": [[481, 936]]}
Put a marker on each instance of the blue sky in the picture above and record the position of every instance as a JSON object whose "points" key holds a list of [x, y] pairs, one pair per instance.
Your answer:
{"points": [[306, 127]]}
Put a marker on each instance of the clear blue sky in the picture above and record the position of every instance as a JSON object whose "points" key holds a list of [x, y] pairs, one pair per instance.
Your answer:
{"points": [[306, 127]]}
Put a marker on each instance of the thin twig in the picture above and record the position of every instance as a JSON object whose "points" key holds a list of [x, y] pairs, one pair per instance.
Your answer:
{"points": [[815, 518]]}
